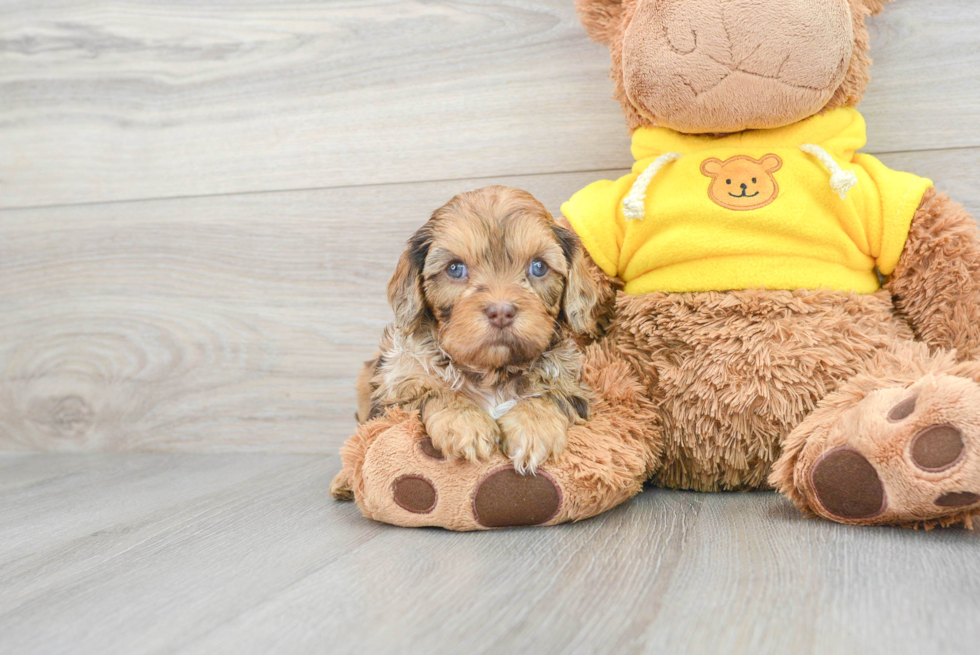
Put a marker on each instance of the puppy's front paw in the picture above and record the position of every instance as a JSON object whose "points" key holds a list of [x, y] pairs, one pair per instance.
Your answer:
{"points": [[533, 431], [462, 431]]}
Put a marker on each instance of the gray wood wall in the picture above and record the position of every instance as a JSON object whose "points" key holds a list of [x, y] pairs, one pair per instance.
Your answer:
{"points": [[201, 201]]}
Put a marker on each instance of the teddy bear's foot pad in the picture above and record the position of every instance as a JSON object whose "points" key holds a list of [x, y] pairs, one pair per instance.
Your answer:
{"points": [[847, 485], [406, 480], [901, 455], [505, 498]]}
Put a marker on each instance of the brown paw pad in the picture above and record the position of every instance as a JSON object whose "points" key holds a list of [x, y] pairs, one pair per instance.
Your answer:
{"points": [[429, 449], [902, 410], [847, 485], [937, 448], [414, 493], [506, 498], [957, 499]]}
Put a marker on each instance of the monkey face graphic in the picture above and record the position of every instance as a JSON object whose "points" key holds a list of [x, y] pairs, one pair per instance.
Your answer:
{"points": [[742, 183]]}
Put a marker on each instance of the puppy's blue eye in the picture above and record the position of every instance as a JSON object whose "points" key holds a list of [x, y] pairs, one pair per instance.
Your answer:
{"points": [[456, 270], [538, 268]]}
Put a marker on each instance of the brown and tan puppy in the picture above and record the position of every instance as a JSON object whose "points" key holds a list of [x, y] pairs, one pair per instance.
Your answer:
{"points": [[487, 299]]}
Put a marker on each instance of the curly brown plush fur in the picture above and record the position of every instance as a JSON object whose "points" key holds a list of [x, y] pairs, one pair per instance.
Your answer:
{"points": [[936, 285], [733, 373]]}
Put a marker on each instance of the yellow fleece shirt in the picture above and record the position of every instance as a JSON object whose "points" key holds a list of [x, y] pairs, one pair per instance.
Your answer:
{"points": [[751, 210]]}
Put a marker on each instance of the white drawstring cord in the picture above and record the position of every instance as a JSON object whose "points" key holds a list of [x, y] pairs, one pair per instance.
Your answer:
{"points": [[634, 204], [841, 180]]}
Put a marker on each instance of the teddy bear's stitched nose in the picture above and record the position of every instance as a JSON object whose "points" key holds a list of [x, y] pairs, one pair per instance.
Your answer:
{"points": [[743, 185]]}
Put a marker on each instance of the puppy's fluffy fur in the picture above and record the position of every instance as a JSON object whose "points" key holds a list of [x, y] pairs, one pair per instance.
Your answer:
{"points": [[491, 299]]}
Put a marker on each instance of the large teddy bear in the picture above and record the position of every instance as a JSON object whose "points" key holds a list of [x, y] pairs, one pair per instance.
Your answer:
{"points": [[791, 313]]}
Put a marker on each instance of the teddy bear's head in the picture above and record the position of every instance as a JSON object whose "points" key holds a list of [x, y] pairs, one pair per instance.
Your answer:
{"points": [[720, 66]]}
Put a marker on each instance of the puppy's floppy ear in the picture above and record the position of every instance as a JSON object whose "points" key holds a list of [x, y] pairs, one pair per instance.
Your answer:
{"points": [[587, 299], [405, 293], [602, 19]]}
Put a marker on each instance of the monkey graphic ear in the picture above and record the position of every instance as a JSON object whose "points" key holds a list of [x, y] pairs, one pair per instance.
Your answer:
{"points": [[771, 163], [711, 167]]}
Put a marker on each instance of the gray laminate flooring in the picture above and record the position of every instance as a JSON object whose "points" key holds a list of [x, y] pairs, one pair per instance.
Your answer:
{"points": [[239, 553]]}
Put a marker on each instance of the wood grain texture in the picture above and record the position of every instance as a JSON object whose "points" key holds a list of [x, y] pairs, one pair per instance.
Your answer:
{"points": [[234, 322], [201, 324], [105, 101], [127, 553]]}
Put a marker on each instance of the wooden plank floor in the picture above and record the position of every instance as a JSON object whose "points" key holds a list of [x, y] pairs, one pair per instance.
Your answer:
{"points": [[239, 553]]}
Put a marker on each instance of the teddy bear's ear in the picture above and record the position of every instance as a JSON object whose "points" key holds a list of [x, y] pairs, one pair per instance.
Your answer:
{"points": [[603, 19]]}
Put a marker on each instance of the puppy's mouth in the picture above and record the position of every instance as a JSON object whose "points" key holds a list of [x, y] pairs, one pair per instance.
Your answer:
{"points": [[482, 340], [505, 338], [500, 348]]}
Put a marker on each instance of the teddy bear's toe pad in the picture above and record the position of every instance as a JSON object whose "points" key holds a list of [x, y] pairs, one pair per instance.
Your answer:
{"points": [[957, 499], [414, 493], [937, 448], [429, 449], [505, 498], [847, 485]]}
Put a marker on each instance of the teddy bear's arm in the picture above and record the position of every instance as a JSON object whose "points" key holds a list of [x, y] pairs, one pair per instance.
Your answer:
{"points": [[936, 284]]}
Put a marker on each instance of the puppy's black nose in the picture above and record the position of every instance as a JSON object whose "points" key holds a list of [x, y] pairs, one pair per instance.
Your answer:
{"points": [[501, 314]]}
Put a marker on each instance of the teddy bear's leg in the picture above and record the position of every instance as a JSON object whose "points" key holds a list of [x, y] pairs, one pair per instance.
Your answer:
{"points": [[397, 476], [898, 444]]}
